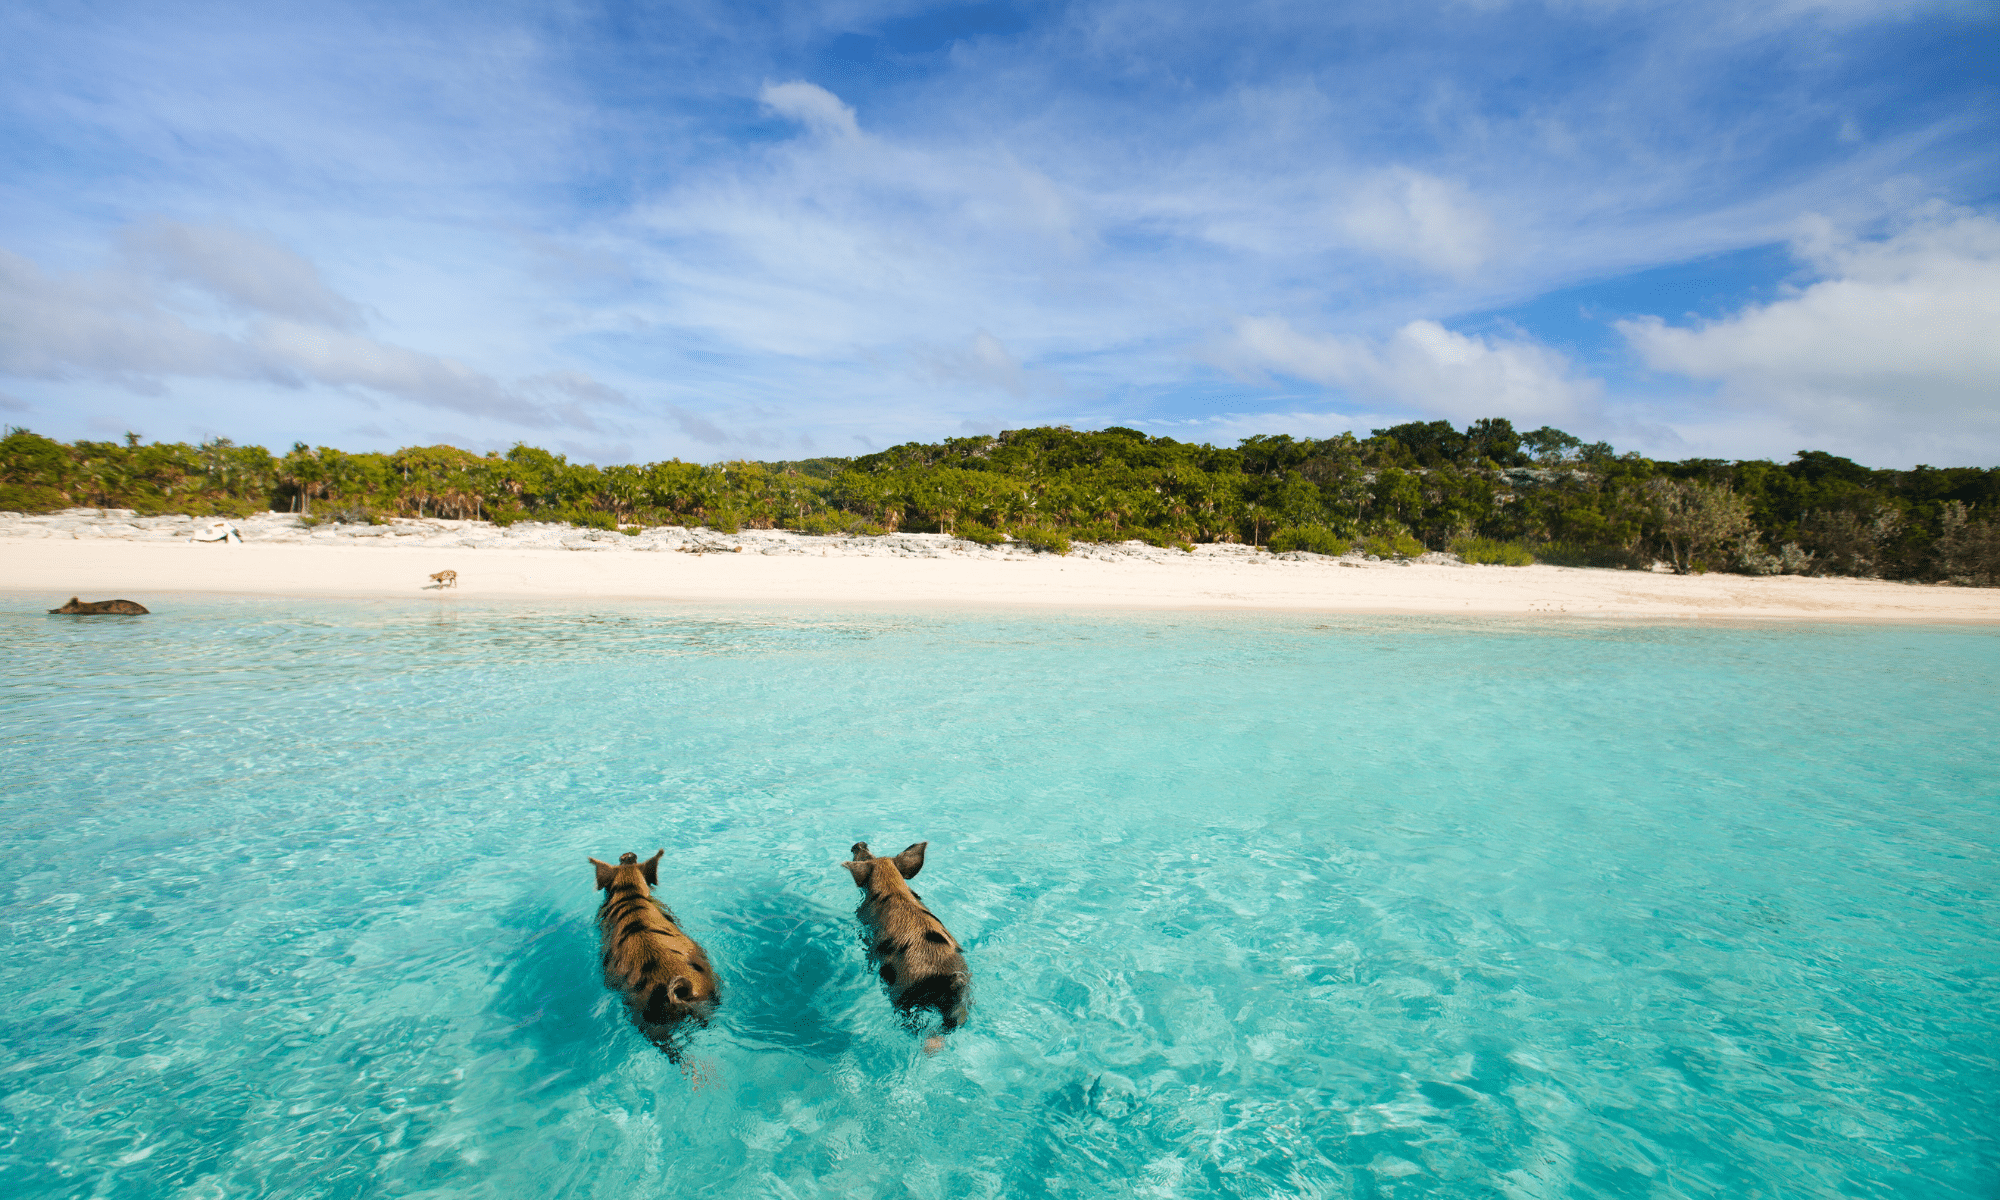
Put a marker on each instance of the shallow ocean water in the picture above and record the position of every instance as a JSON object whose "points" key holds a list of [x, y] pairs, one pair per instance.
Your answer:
{"points": [[297, 904]]}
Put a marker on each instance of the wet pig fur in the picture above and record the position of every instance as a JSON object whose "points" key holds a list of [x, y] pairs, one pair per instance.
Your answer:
{"points": [[98, 608], [663, 973], [915, 954]]}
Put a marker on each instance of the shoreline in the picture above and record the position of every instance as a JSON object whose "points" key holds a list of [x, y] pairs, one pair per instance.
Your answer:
{"points": [[73, 554]]}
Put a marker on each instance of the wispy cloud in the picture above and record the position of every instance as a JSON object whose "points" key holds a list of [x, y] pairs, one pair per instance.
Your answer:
{"points": [[250, 272], [813, 106], [196, 302], [1420, 217]]}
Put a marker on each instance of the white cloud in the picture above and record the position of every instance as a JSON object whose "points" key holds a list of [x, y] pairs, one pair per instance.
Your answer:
{"points": [[1409, 214], [862, 256], [340, 359], [585, 394], [100, 324], [252, 272], [1299, 420], [812, 106], [1898, 334], [985, 362], [1423, 367], [269, 319]]}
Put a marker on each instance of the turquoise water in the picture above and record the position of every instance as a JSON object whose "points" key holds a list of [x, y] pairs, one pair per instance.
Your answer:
{"points": [[297, 904]]}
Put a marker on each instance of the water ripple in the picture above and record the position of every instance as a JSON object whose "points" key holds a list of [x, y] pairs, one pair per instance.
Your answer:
{"points": [[1256, 906]]}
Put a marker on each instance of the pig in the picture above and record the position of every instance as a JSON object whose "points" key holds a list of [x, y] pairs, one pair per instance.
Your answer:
{"points": [[664, 974], [917, 957], [98, 608]]}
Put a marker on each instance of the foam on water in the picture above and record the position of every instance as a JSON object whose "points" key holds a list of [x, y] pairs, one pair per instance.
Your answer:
{"points": [[297, 904]]}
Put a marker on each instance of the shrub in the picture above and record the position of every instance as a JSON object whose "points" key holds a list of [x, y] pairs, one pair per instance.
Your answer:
{"points": [[1392, 545], [1165, 539], [1968, 551], [1695, 520], [841, 524], [1752, 559], [1316, 539], [587, 519], [1582, 554], [217, 506], [30, 499], [1048, 541], [982, 534], [345, 512], [1493, 551]]}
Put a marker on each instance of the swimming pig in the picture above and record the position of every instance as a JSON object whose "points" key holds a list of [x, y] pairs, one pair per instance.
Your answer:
{"points": [[98, 608], [664, 975], [919, 959]]}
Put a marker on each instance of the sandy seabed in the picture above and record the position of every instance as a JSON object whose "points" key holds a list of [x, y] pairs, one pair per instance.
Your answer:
{"points": [[105, 554]]}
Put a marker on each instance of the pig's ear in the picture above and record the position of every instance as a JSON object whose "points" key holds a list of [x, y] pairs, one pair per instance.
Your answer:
{"points": [[604, 872], [860, 871], [859, 852], [910, 861], [651, 868]]}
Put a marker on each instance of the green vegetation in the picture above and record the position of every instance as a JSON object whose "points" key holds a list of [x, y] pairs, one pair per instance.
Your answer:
{"points": [[1316, 539], [840, 524], [1048, 541], [1395, 493], [1491, 550], [1392, 544]]}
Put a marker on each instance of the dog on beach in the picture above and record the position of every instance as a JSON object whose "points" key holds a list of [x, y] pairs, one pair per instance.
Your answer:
{"points": [[663, 973], [915, 954], [445, 579], [76, 607]]}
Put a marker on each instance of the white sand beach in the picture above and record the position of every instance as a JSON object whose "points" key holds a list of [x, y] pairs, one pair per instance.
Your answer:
{"points": [[102, 554]]}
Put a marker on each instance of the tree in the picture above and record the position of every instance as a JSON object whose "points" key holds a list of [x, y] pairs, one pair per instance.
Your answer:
{"points": [[1493, 438], [1297, 502], [1431, 443], [1968, 551], [1694, 519], [1550, 445], [1398, 500], [1851, 543]]}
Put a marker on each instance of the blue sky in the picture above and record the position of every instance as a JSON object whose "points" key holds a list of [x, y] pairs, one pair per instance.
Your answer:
{"points": [[638, 231]]}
